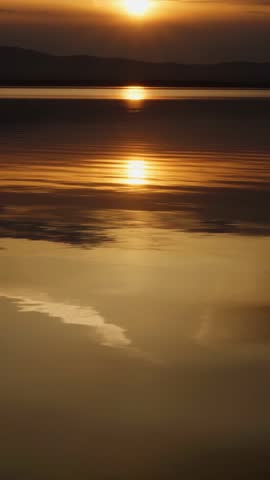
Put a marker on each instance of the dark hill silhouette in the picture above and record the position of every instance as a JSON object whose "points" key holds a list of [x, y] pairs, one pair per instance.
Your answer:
{"points": [[28, 67]]}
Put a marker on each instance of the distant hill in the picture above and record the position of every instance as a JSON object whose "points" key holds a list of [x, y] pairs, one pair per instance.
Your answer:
{"points": [[20, 66]]}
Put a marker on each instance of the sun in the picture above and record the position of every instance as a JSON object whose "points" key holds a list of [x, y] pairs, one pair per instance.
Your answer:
{"points": [[137, 7]]}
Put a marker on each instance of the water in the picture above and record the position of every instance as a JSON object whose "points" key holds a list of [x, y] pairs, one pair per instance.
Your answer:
{"points": [[134, 282]]}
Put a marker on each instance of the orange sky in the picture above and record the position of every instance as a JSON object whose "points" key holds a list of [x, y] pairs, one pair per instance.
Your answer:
{"points": [[175, 30], [159, 8]]}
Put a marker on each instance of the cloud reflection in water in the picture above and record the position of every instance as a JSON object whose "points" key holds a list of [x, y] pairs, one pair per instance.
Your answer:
{"points": [[111, 335]]}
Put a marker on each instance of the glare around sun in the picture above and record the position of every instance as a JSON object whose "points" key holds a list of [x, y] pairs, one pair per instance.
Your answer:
{"points": [[137, 7]]}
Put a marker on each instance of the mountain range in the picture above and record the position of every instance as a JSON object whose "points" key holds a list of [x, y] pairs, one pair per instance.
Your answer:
{"points": [[26, 67]]}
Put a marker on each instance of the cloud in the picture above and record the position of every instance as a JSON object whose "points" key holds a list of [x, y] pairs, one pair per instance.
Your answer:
{"points": [[110, 335]]}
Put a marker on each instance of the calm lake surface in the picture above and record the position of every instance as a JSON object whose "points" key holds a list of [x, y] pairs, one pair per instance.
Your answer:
{"points": [[134, 283]]}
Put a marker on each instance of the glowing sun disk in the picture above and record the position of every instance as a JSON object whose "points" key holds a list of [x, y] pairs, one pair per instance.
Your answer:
{"points": [[137, 7]]}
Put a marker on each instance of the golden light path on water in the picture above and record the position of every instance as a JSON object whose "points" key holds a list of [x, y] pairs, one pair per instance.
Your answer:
{"points": [[134, 94], [136, 172], [138, 149]]}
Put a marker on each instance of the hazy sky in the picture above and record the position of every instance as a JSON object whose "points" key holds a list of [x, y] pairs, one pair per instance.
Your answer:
{"points": [[182, 30]]}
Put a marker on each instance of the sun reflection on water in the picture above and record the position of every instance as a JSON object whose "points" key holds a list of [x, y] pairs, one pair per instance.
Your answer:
{"points": [[134, 94], [136, 172]]}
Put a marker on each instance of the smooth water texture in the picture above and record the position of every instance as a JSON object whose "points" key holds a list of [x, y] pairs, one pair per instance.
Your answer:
{"points": [[134, 281]]}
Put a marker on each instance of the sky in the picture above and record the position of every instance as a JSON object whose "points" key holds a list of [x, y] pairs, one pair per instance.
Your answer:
{"points": [[171, 30]]}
